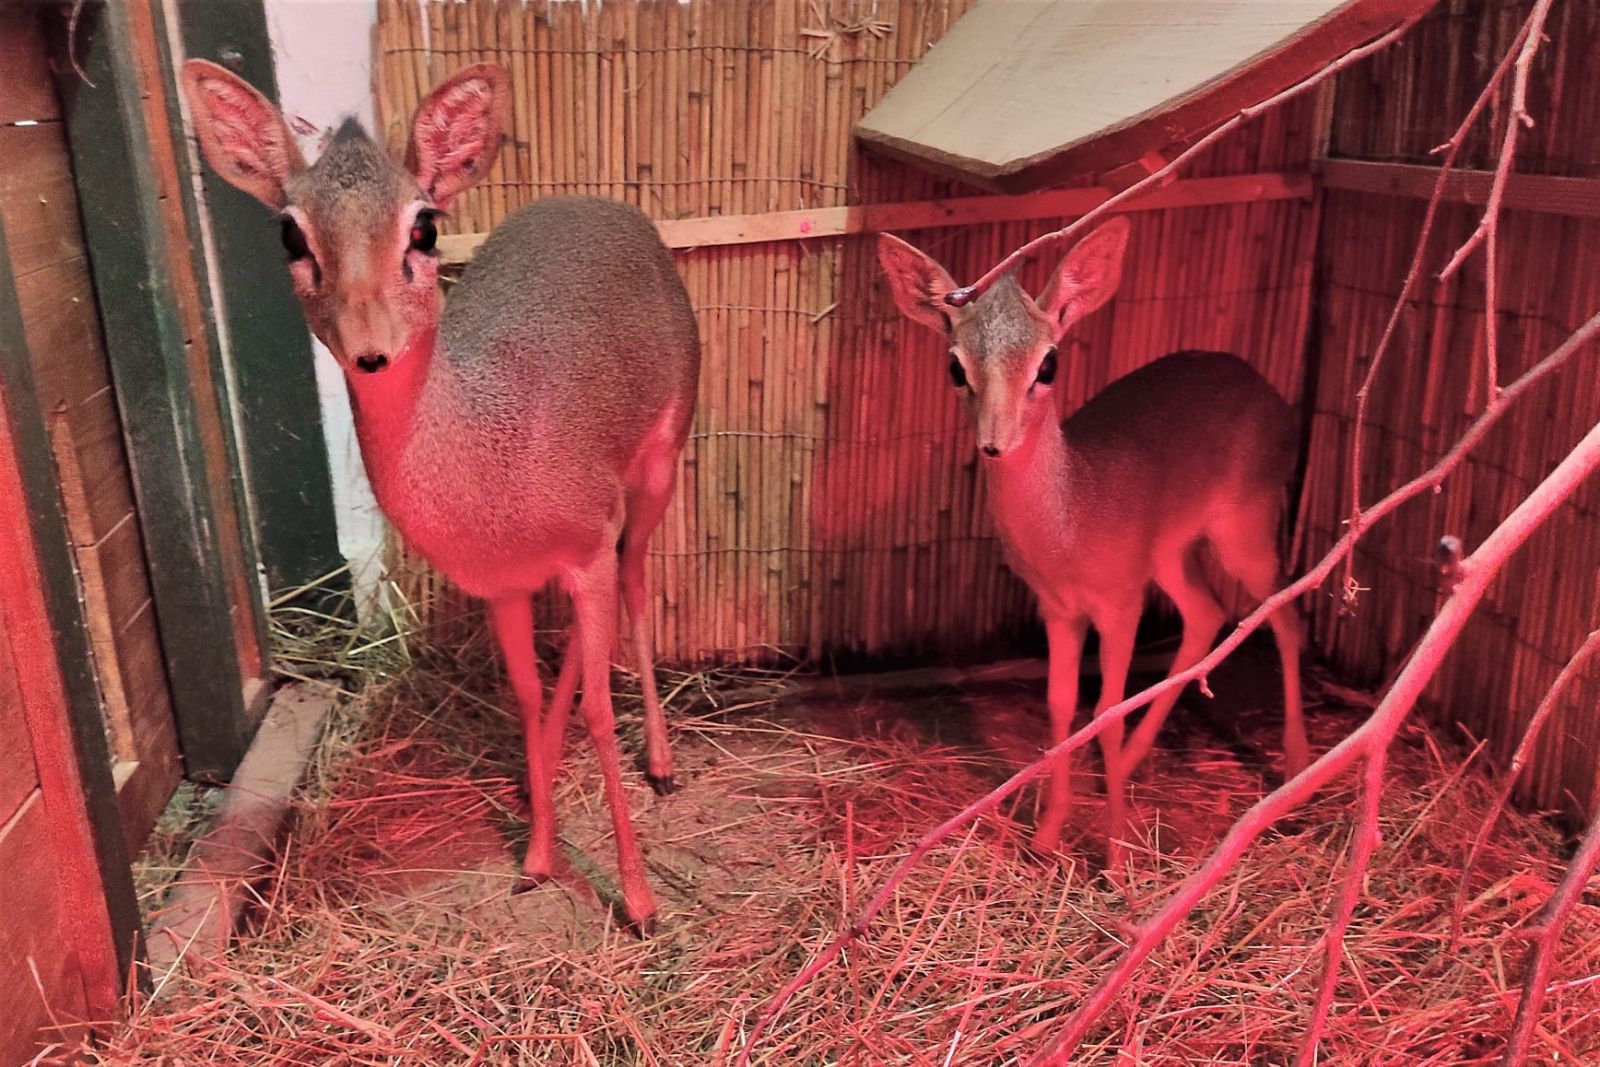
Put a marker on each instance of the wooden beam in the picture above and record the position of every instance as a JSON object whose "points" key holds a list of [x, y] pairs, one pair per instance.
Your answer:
{"points": [[719, 230], [130, 257], [1544, 193], [43, 621]]}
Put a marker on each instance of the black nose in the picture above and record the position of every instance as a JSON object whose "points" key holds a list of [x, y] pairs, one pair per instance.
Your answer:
{"points": [[990, 450], [372, 362]]}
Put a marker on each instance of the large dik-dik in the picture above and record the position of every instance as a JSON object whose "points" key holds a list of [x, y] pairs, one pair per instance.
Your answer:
{"points": [[532, 430], [1193, 447]]}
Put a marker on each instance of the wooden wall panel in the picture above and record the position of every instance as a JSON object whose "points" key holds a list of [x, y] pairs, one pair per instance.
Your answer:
{"points": [[72, 379], [39, 983], [18, 776]]}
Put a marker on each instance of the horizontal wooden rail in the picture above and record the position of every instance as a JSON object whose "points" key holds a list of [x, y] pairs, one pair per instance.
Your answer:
{"points": [[1578, 197], [717, 230]]}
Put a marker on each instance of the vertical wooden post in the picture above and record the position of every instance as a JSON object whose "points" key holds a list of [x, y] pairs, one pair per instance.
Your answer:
{"points": [[268, 346], [133, 273]]}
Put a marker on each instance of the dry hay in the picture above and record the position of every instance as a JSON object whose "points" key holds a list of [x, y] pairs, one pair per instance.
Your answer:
{"points": [[390, 933]]}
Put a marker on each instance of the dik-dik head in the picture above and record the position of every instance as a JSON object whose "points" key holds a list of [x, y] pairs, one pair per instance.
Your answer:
{"points": [[1003, 344], [358, 228]]}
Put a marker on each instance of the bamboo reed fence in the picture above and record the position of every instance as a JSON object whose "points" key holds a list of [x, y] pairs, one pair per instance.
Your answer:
{"points": [[1396, 108], [829, 503]]}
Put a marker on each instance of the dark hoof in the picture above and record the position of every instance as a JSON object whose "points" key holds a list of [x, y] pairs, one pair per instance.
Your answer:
{"points": [[663, 786], [528, 882], [1045, 854], [644, 929]]}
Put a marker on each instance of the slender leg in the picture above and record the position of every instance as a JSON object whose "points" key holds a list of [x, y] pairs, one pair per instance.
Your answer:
{"points": [[1249, 552], [513, 628], [1286, 628], [555, 723], [1066, 648], [658, 752], [1116, 627], [594, 594], [645, 509], [1202, 618]]}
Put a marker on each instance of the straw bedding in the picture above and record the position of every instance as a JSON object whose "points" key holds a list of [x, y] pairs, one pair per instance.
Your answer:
{"points": [[389, 932]]}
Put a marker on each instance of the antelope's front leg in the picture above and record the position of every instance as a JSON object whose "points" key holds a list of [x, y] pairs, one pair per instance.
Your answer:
{"points": [[1065, 635], [513, 629]]}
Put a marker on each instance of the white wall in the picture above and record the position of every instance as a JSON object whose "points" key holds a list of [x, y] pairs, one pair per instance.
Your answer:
{"points": [[323, 53]]}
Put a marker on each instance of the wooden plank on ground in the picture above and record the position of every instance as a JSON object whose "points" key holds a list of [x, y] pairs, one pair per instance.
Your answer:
{"points": [[198, 917]]}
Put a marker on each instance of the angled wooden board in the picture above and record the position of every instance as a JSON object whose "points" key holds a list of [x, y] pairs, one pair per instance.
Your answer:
{"points": [[1023, 94]]}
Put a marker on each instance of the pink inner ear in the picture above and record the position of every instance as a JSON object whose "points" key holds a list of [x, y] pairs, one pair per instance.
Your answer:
{"points": [[450, 135], [239, 128]]}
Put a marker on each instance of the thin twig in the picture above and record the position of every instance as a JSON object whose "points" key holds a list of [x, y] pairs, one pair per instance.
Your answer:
{"points": [[1451, 150], [1547, 932], [1519, 759], [1362, 845], [1488, 229], [1518, 117]]}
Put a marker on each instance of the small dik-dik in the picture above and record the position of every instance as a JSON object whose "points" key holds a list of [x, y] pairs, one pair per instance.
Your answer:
{"points": [[531, 431], [1193, 447]]}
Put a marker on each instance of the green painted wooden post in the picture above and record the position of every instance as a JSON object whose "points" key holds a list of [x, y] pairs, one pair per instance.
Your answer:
{"points": [[129, 261], [219, 373], [86, 718], [269, 346]]}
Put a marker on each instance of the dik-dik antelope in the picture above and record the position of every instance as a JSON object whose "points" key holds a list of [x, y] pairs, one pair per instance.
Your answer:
{"points": [[528, 431], [1193, 447]]}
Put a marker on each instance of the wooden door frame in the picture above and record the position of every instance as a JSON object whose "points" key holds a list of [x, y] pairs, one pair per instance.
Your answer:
{"points": [[268, 344], [132, 263], [42, 616]]}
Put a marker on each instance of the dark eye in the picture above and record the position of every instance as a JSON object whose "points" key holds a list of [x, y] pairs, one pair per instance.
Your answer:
{"points": [[424, 235], [958, 375], [294, 241], [1047, 368]]}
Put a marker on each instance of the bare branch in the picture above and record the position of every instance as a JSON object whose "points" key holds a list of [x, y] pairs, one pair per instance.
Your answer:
{"points": [[1547, 933], [1519, 759], [1451, 150], [1518, 118], [1367, 837]]}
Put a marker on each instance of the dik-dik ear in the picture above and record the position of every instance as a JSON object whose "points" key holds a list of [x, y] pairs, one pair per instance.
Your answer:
{"points": [[457, 131], [1087, 277], [242, 135], [917, 281]]}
